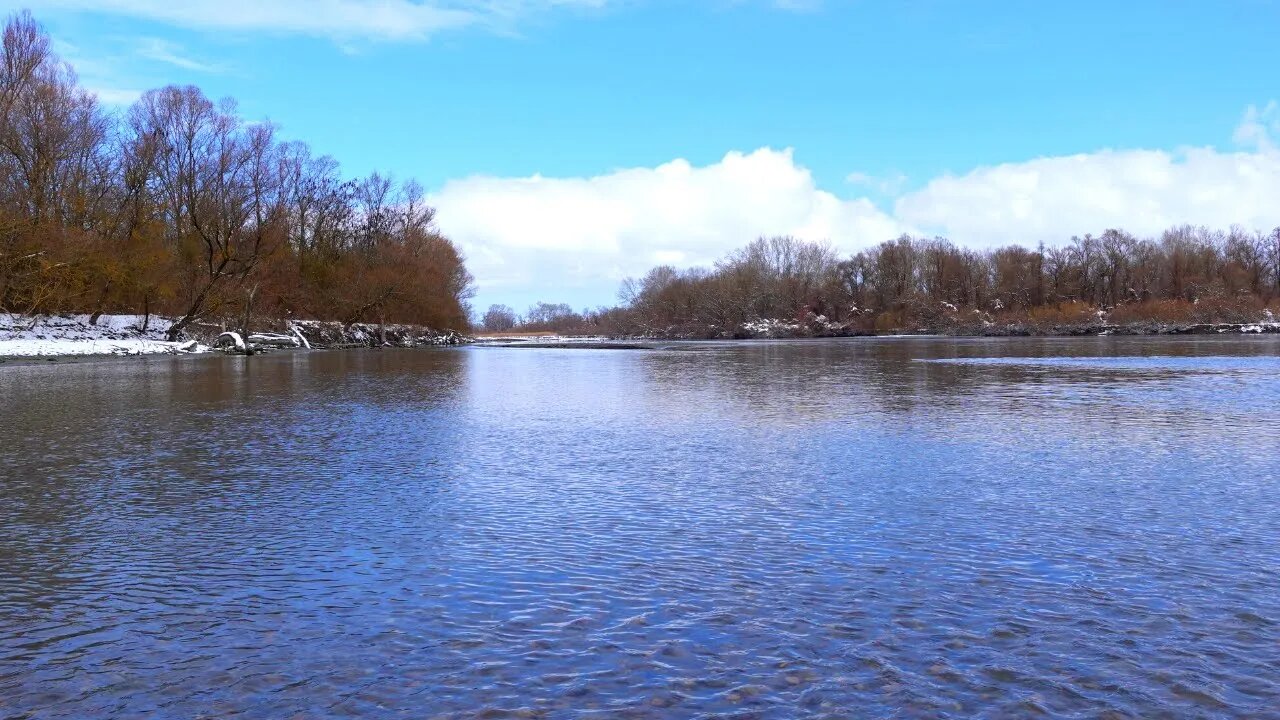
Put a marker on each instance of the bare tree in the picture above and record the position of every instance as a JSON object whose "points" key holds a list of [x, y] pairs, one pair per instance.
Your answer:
{"points": [[499, 318]]}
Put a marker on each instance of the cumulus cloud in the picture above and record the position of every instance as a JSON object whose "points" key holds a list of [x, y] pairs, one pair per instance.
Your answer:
{"points": [[1143, 191], [547, 237], [398, 20], [519, 232]]}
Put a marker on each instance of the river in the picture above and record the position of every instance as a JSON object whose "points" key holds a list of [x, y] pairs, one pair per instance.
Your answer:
{"points": [[905, 528]]}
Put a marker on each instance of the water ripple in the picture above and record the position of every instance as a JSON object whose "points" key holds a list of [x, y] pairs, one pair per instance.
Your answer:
{"points": [[1013, 528]]}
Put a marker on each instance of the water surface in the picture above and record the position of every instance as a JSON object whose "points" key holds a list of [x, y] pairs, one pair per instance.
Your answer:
{"points": [[868, 528]]}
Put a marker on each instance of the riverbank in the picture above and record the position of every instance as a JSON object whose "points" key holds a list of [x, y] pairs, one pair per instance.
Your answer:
{"points": [[783, 330], [547, 341], [957, 324], [75, 336], [1140, 328], [23, 336], [66, 336]]}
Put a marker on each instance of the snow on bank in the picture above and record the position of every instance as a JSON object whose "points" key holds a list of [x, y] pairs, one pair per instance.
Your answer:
{"points": [[321, 333], [539, 339], [771, 328], [68, 335], [813, 325]]}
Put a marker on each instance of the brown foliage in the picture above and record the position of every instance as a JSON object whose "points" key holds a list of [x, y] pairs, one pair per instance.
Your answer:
{"points": [[1188, 275], [188, 210], [1070, 312]]}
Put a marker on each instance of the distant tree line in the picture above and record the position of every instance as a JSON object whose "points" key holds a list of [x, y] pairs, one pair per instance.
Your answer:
{"points": [[1191, 274], [550, 318], [179, 206]]}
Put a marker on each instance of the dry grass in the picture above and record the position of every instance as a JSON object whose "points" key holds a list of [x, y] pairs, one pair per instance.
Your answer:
{"points": [[1064, 313], [1213, 308], [1209, 309], [1167, 311]]}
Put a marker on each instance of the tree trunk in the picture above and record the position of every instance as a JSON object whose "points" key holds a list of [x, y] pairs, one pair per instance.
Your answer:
{"points": [[176, 329], [102, 300], [193, 311], [250, 293], [146, 311]]}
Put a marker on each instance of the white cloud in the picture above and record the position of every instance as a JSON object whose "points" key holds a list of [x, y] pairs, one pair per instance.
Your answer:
{"points": [[341, 19], [1258, 126], [1143, 191], [891, 184], [171, 54], [349, 20], [520, 232], [116, 97], [560, 237]]}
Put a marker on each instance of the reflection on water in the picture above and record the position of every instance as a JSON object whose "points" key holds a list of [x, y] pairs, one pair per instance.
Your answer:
{"points": [[870, 528]]}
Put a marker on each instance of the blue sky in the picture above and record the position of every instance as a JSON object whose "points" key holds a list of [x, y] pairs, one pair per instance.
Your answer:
{"points": [[569, 143]]}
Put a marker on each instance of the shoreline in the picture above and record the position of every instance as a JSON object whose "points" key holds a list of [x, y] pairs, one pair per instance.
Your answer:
{"points": [[588, 342], [324, 335], [27, 339]]}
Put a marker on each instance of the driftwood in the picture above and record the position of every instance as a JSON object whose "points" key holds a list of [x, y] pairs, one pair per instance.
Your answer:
{"points": [[301, 338], [274, 340], [319, 333], [231, 340], [309, 334]]}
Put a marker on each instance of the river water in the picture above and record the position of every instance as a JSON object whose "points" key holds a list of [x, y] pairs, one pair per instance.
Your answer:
{"points": [[905, 528]]}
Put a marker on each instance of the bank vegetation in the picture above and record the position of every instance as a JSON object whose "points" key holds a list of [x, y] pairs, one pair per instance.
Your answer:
{"points": [[1115, 281], [181, 207]]}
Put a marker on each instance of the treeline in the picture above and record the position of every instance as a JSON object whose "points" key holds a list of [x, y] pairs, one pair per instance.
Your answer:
{"points": [[553, 318], [179, 206], [1188, 274]]}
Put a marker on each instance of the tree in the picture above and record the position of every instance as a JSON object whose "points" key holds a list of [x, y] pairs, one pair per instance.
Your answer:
{"points": [[548, 314], [499, 318], [200, 169], [54, 174], [183, 207]]}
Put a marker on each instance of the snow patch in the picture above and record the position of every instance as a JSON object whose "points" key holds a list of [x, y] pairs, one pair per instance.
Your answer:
{"points": [[770, 328], [298, 334], [69, 335]]}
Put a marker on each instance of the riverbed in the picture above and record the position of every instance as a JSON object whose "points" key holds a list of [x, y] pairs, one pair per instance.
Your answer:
{"points": [[895, 527]]}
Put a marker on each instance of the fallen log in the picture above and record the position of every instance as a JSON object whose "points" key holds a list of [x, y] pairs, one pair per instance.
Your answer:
{"points": [[274, 340], [231, 340]]}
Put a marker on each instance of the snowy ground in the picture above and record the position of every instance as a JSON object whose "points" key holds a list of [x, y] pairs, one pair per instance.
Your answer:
{"points": [[24, 336], [530, 339]]}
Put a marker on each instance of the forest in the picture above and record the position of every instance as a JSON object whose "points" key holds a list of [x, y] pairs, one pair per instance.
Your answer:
{"points": [[1186, 275], [181, 207], [178, 206]]}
